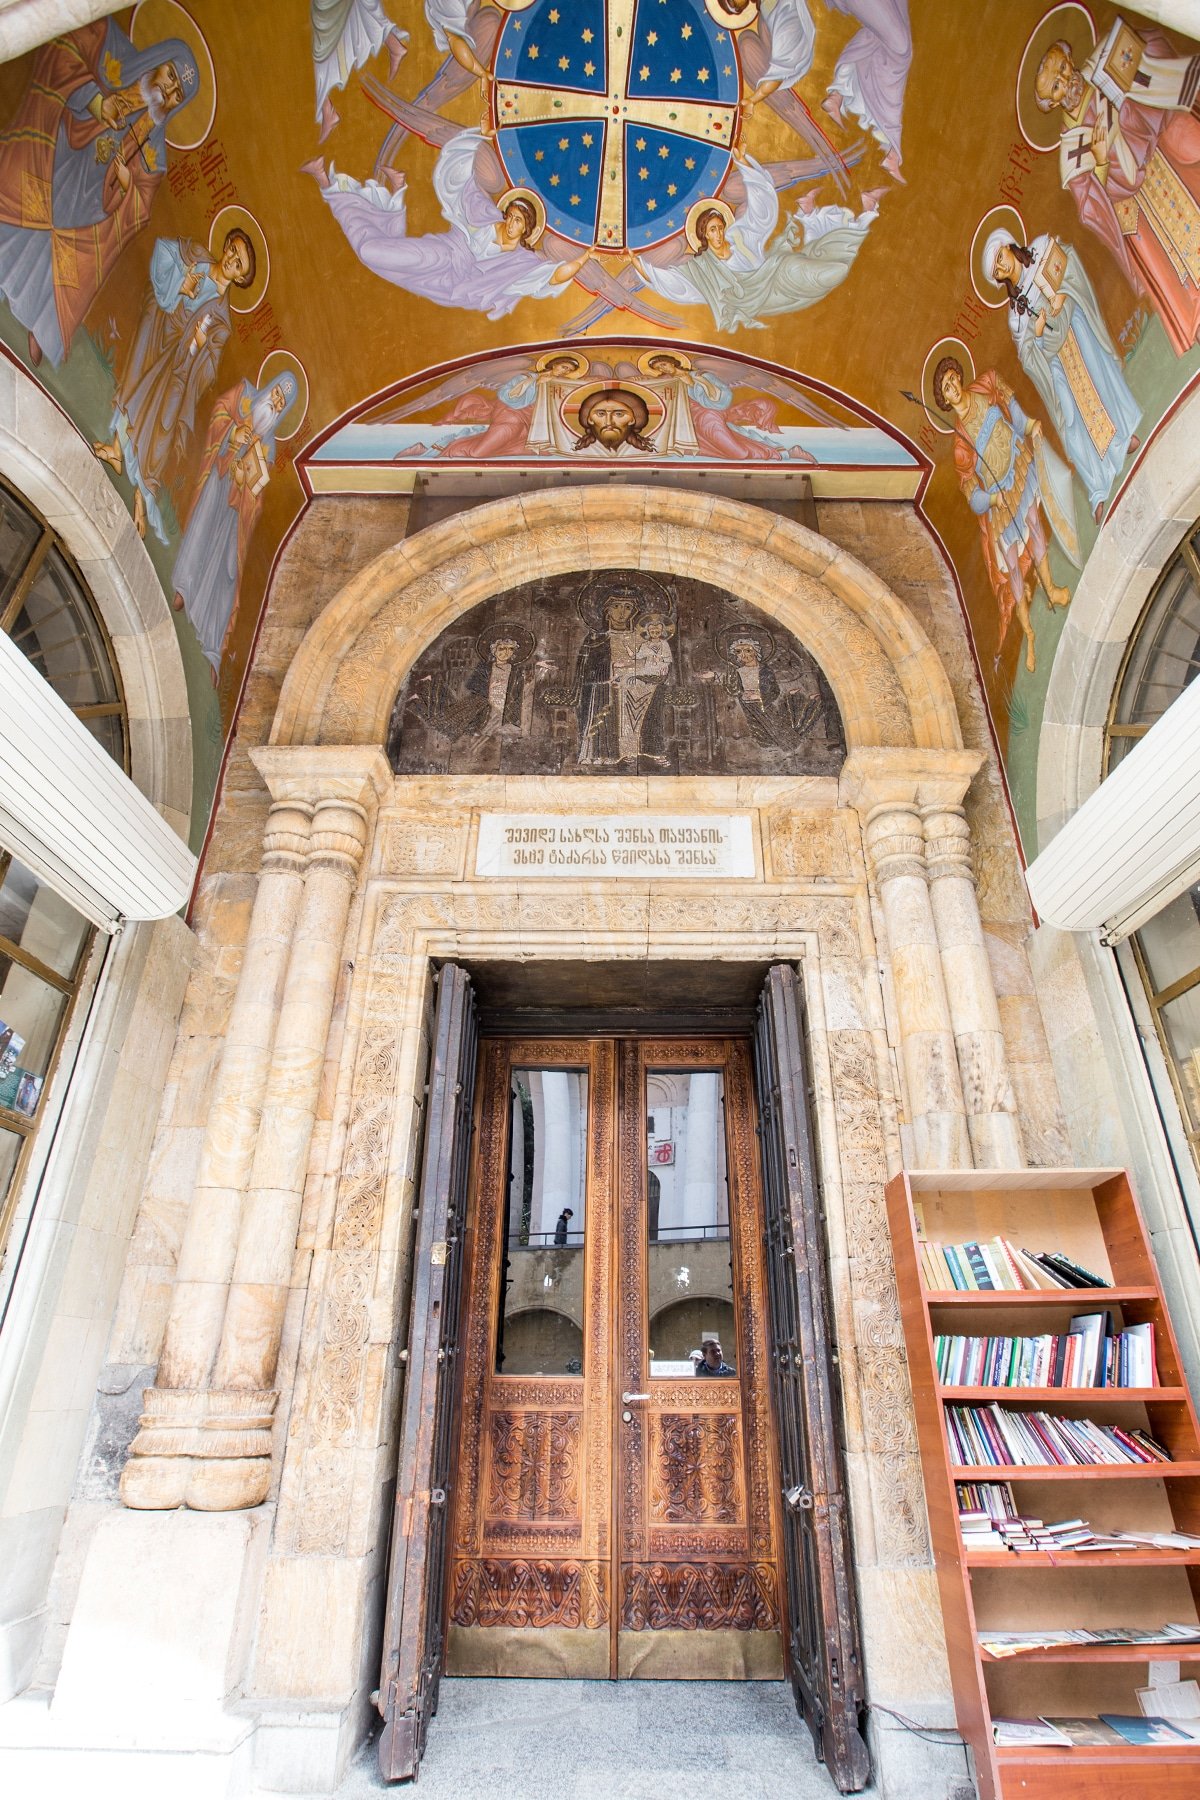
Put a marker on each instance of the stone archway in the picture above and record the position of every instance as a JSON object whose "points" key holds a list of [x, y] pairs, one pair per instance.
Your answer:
{"points": [[887, 678]]}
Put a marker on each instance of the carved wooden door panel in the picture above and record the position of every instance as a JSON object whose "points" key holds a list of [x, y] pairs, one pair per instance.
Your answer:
{"points": [[530, 1578], [825, 1641], [616, 1513], [697, 1504]]}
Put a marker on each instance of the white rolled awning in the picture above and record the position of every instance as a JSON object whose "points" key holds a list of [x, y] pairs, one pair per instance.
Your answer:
{"points": [[73, 816], [1135, 843]]}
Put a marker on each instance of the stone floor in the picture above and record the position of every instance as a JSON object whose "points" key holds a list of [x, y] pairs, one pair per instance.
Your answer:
{"points": [[598, 1740]]}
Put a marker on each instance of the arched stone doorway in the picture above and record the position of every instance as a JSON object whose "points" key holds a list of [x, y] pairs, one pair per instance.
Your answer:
{"points": [[365, 881]]}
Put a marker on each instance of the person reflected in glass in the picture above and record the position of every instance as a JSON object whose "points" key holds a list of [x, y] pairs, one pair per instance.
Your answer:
{"points": [[711, 1360], [563, 1225]]}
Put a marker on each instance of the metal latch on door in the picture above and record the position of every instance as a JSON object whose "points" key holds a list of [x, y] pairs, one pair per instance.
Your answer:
{"points": [[798, 1499]]}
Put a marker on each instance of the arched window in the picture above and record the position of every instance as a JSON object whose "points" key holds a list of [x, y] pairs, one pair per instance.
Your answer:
{"points": [[46, 610], [1161, 659]]}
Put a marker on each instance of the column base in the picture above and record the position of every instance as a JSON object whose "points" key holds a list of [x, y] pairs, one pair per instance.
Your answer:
{"points": [[210, 1451]]}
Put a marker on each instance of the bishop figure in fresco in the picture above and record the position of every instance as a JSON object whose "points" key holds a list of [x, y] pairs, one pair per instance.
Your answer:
{"points": [[1130, 155], [79, 168]]}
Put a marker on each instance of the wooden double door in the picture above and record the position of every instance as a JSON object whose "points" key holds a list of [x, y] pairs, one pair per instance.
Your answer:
{"points": [[617, 1502]]}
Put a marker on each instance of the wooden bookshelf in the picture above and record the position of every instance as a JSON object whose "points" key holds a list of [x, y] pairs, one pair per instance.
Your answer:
{"points": [[1092, 1216]]}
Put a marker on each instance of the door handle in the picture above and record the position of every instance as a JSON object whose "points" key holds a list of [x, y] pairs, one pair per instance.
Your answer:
{"points": [[628, 1398]]}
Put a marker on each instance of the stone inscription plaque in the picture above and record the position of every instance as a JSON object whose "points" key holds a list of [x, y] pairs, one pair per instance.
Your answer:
{"points": [[654, 846]]}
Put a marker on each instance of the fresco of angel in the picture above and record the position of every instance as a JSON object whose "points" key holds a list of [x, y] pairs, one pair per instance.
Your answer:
{"points": [[776, 40], [347, 34], [733, 268], [488, 259]]}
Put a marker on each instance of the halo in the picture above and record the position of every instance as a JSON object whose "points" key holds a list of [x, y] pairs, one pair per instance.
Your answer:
{"points": [[1040, 130], [507, 631], [241, 218], [1000, 218], [748, 15], [152, 22], [513, 5], [655, 406], [276, 363], [944, 347], [531, 199], [582, 365], [693, 214], [594, 594], [649, 356], [729, 635]]}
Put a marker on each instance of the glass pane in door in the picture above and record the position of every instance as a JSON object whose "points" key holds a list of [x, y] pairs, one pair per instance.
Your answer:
{"points": [[540, 1330], [690, 1273]]}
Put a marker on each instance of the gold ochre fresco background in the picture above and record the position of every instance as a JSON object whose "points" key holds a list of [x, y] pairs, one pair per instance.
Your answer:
{"points": [[355, 334]]}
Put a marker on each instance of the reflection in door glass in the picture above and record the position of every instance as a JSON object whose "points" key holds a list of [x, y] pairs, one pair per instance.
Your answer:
{"points": [[541, 1296], [687, 1211]]}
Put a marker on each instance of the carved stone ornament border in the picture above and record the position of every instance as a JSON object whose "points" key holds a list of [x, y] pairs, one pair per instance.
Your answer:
{"points": [[331, 1482]]}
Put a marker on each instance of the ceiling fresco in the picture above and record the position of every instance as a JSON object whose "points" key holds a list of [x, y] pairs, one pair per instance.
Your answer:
{"points": [[914, 249]]}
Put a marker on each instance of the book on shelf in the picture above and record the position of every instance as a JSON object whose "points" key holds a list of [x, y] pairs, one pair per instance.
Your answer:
{"points": [[1013, 1733], [997, 1437], [1086, 1733], [1088, 1354], [1000, 1644], [998, 1264], [1150, 1729]]}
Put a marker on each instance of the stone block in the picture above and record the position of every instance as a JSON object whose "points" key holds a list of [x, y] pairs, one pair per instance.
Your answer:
{"points": [[162, 1625]]}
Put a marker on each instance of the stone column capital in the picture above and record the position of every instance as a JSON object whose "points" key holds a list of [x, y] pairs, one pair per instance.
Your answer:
{"points": [[313, 775], [879, 776]]}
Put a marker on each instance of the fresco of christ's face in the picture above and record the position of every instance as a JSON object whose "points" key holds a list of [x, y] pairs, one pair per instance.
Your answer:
{"points": [[503, 651], [612, 420]]}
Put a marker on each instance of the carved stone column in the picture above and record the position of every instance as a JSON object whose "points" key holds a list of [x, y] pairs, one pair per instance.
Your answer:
{"points": [[883, 786], [205, 1438], [978, 1034]]}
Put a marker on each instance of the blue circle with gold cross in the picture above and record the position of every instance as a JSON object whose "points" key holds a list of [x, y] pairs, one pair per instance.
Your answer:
{"points": [[618, 114]]}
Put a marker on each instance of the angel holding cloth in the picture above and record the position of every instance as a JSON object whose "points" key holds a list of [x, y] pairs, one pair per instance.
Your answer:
{"points": [[487, 261]]}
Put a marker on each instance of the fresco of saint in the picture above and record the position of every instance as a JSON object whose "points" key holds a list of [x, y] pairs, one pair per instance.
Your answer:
{"points": [[485, 261], [622, 671], [347, 34], [172, 362], [1130, 155], [79, 168], [1013, 483], [238, 457], [1064, 348]]}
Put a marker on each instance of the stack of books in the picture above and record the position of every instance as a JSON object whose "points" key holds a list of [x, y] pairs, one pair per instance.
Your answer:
{"points": [[1011, 1643], [996, 1436], [1000, 1264], [988, 1520], [1088, 1354]]}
